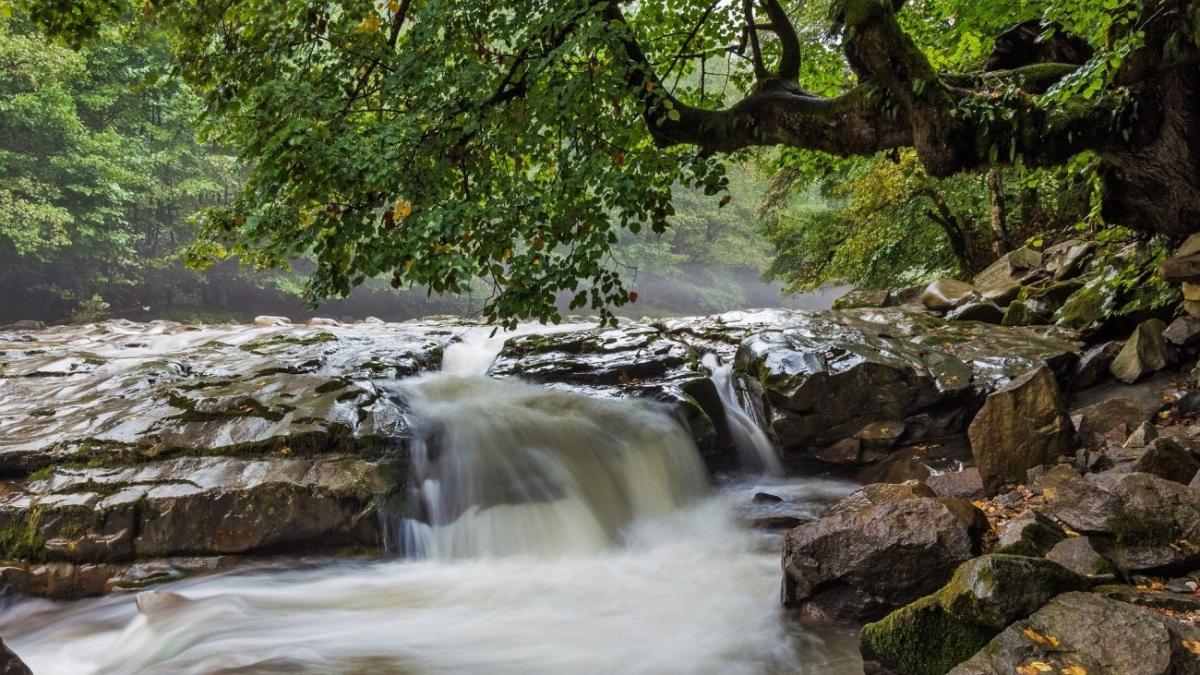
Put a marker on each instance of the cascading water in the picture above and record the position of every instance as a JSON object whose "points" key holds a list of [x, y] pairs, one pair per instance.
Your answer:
{"points": [[501, 468], [547, 532], [754, 448]]}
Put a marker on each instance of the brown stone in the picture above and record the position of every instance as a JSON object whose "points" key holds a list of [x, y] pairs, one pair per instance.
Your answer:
{"points": [[1020, 426]]}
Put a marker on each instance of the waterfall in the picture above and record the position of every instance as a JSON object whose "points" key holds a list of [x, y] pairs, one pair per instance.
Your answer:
{"points": [[754, 448], [501, 467]]}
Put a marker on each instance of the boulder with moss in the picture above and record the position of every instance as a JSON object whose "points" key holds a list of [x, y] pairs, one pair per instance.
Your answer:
{"points": [[986, 594], [1089, 633]]}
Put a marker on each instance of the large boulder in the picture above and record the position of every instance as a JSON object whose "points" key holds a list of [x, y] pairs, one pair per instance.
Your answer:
{"points": [[1018, 266], [939, 631], [1168, 459], [1094, 365], [1021, 425], [1119, 416], [1088, 633], [829, 376], [1184, 331], [1144, 352], [944, 295], [857, 565], [1156, 527]]}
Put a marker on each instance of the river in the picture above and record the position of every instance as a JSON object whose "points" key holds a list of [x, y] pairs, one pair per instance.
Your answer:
{"points": [[546, 532]]}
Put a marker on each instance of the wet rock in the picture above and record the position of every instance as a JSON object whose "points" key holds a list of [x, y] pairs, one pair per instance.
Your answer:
{"points": [[1021, 425], [1098, 420], [1142, 436], [1144, 353], [847, 451], [984, 311], [1094, 365], [10, 663], [1184, 331], [1169, 460], [86, 396], [828, 377], [766, 498], [153, 603], [1022, 314], [877, 494], [1018, 266], [995, 590], [1002, 295], [945, 294], [860, 564], [192, 505], [272, 321], [1079, 555], [25, 325], [1189, 402], [863, 298], [1085, 632], [1156, 525], [1030, 533], [322, 321], [937, 632], [1068, 259], [965, 484]]}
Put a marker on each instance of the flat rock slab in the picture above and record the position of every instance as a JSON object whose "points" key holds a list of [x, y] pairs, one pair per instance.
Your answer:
{"points": [[120, 387]]}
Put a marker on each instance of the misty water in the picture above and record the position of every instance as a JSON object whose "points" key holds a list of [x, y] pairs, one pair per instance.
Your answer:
{"points": [[545, 531]]}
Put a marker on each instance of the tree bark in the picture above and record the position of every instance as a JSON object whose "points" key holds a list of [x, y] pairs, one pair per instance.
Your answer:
{"points": [[1000, 243], [1147, 135]]}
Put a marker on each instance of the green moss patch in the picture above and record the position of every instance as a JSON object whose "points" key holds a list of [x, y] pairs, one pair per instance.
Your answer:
{"points": [[922, 638]]}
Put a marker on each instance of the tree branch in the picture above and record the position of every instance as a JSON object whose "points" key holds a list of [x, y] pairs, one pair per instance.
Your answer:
{"points": [[789, 42]]}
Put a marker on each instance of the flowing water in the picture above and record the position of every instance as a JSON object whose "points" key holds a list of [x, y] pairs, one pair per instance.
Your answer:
{"points": [[545, 532]]}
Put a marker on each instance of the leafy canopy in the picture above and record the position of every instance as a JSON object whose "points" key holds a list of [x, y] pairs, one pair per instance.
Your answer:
{"points": [[442, 142]]}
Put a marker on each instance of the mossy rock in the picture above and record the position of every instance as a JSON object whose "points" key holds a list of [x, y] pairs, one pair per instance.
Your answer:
{"points": [[995, 590], [1021, 313], [1086, 307], [934, 634], [922, 638]]}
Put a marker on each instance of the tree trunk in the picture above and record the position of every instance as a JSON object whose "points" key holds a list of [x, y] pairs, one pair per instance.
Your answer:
{"points": [[1000, 243]]}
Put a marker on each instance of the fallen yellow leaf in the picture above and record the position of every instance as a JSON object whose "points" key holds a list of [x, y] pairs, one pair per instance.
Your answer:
{"points": [[1040, 639], [1192, 646], [1074, 670]]}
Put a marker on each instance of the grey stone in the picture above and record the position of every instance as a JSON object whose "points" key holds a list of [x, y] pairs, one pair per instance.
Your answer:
{"points": [[1021, 425], [1144, 353]]}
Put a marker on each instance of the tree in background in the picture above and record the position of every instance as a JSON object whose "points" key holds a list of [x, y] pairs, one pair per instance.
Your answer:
{"points": [[885, 223], [99, 170], [513, 142]]}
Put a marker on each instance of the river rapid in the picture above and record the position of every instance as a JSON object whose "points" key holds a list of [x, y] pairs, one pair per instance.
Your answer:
{"points": [[545, 532]]}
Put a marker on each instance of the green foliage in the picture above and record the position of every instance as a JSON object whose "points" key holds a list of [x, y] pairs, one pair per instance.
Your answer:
{"points": [[883, 223], [99, 168], [467, 145]]}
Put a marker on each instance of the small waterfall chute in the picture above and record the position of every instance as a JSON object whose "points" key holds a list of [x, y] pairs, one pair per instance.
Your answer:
{"points": [[755, 450]]}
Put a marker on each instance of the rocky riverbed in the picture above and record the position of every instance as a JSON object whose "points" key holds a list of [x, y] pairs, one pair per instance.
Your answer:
{"points": [[1018, 479]]}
